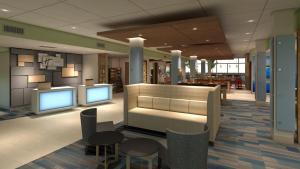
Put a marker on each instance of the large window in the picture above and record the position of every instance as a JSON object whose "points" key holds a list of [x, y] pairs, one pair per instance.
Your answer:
{"points": [[233, 66]]}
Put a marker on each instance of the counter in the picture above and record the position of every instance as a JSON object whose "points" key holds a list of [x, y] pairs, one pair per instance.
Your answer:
{"points": [[96, 94], [54, 99]]}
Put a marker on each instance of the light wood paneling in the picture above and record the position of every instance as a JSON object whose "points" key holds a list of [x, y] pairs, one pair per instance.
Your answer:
{"points": [[68, 72], [103, 67], [26, 58], [203, 34], [21, 64], [44, 86], [36, 78], [70, 66]]}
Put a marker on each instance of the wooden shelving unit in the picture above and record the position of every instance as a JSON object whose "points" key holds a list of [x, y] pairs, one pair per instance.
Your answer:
{"points": [[115, 79]]}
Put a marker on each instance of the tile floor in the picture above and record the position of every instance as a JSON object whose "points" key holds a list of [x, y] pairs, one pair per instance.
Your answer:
{"points": [[27, 138]]}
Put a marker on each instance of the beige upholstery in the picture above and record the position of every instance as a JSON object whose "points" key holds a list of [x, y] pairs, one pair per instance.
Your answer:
{"points": [[198, 107], [179, 105], [146, 118], [161, 103], [145, 102], [180, 108]]}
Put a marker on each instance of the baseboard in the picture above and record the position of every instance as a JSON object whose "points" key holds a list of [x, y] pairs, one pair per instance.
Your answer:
{"points": [[283, 137]]}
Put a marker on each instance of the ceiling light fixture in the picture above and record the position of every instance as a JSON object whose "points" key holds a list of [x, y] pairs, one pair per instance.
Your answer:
{"points": [[207, 40], [183, 45], [250, 20], [165, 44], [248, 33], [73, 27], [195, 28], [140, 35], [4, 10]]}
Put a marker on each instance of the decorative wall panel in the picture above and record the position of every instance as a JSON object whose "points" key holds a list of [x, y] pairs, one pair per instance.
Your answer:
{"points": [[36, 78], [27, 77]]}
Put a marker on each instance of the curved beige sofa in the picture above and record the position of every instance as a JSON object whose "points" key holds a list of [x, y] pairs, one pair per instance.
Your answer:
{"points": [[179, 108]]}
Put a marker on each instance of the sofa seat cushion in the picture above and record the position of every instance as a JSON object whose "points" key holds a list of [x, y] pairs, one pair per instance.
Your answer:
{"points": [[160, 120]]}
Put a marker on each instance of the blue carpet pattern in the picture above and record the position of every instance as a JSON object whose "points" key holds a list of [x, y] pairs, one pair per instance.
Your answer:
{"points": [[244, 142]]}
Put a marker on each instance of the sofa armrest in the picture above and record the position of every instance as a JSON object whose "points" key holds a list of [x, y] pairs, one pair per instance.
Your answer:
{"points": [[213, 112], [131, 93]]}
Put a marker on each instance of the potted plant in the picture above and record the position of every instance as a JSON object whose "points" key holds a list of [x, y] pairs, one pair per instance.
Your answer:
{"points": [[211, 64]]}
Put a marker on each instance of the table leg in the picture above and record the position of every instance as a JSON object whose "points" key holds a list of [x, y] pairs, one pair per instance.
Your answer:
{"points": [[105, 158], [117, 152], [150, 163], [97, 153], [127, 162]]}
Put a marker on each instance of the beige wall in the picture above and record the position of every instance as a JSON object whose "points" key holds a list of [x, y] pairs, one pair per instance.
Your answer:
{"points": [[90, 67], [4, 78]]}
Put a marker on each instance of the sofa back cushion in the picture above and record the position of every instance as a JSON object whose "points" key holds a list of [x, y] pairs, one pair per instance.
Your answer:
{"points": [[198, 107], [145, 102], [161, 103], [179, 105]]}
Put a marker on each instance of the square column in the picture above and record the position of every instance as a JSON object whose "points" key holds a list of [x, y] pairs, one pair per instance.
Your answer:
{"points": [[193, 60], [284, 76], [136, 60], [175, 66]]}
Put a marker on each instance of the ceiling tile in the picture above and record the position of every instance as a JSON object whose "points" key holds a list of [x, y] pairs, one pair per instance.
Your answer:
{"points": [[282, 4], [106, 8], [94, 25], [29, 4], [40, 20], [146, 4], [12, 11], [221, 7], [232, 20], [176, 8], [67, 13]]}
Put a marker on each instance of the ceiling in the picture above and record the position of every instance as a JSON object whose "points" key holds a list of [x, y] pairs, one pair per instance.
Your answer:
{"points": [[201, 36], [91, 16]]}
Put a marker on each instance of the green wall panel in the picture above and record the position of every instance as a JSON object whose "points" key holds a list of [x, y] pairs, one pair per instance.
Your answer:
{"points": [[55, 36]]}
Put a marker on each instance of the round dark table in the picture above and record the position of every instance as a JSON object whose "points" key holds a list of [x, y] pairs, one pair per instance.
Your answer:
{"points": [[106, 138], [143, 148]]}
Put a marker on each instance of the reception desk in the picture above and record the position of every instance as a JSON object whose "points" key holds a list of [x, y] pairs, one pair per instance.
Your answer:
{"points": [[54, 99], [96, 94]]}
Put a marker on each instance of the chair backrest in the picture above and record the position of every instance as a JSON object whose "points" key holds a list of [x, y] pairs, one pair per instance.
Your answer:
{"points": [[187, 150], [88, 123]]}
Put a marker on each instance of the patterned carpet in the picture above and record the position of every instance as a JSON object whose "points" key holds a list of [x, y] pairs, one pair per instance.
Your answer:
{"points": [[244, 141]]}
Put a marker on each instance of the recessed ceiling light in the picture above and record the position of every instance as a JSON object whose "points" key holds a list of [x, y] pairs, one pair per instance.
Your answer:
{"points": [[195, 28], [140, 35], [4, 10], [183, 45], [73, 27], [165, 44], [207, 40], [250, 20], [248, 33]]}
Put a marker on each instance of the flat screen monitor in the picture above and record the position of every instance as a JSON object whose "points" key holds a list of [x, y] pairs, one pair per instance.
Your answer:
{"points": [[97, 94], [55, 100]]}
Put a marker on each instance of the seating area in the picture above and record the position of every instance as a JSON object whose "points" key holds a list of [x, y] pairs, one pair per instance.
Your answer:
{"points": [[179, 108], [149, 84]]}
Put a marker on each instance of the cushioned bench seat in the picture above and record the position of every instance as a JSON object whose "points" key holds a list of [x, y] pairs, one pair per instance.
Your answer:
{"points": [[160, 120]]}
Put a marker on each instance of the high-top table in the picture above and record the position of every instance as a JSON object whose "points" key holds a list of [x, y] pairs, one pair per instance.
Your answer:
{"points": [[142, 148], [106, 138]]}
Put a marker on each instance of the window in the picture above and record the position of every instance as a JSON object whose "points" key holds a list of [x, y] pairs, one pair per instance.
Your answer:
{"points": [[233, 68], [241, 68], [221, 68]]}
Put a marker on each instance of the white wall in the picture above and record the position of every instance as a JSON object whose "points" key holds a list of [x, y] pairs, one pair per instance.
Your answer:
{"points": [[4, 78], [90, 67]]}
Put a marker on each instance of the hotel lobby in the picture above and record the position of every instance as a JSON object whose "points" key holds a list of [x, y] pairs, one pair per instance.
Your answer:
{"points": [[149, 84]]}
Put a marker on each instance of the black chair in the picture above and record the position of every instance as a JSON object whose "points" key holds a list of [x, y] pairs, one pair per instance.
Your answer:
{"points": [[187, 150], [89, 127]]}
